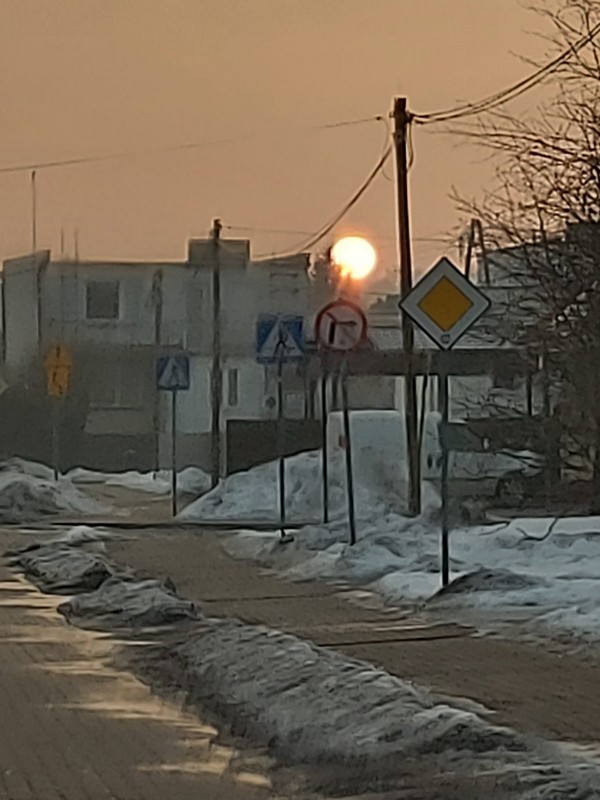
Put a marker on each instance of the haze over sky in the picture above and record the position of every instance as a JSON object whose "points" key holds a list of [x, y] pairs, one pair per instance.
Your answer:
{"points": [[95, 77]]}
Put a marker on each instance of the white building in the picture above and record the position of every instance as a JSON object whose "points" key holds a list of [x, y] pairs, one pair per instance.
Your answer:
{"points": [[118, 317]]}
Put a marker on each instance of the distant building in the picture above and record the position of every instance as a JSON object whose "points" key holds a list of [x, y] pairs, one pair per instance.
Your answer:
{"points": [[116, 318]]}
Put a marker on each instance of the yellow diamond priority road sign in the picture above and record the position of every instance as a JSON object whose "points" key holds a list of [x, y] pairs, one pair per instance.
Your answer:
{"points": [[444, 304]]}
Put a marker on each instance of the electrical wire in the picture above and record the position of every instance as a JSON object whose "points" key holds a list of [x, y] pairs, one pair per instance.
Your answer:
{"points": [[69, 162], [293, 232], [510, 93], [328, 227]]}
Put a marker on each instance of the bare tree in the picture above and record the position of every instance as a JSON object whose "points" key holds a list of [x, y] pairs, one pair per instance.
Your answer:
{"points": [[542, 217]]}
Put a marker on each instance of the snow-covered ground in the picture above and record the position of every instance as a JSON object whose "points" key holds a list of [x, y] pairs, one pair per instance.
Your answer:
{"points": [[311, 705], [544, 570], [29, 492], [513, 570], [191, 480], [253, 495]]}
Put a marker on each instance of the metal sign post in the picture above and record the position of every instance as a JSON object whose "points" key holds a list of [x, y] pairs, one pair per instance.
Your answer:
{"points": [[348, 440], [280, 340], [173, 375], [444, 403], [56, 437], [445, 304], [174, 394], [341, 326], [58, 364], [281, 440], [324, 465]]}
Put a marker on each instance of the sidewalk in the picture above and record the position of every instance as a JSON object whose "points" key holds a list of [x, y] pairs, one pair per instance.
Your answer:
{"points": [[74, 728], [529, 688]]}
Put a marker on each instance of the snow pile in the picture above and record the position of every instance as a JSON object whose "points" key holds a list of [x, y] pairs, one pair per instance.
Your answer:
{"points": [[106, 597], [311, 704], [60, 569], [307, 702], [518, 566], [25, 497], [118, 603], [84, 534], [191, 480], [24, 467], [253, 495], [317, 704]]}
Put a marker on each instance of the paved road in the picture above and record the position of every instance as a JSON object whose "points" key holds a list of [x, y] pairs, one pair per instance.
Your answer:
{"points": [[74, 728], [527, 687]]}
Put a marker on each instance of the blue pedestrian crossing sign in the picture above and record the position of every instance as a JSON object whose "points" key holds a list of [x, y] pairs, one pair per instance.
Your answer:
{"points": [[173, 373], [279, 336]]}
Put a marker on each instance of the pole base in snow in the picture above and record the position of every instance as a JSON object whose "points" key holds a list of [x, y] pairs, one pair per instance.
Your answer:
{"points": [[286, 538]]}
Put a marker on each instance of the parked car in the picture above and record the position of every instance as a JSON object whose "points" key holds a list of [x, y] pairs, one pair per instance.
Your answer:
{"points": [[379, 450]]}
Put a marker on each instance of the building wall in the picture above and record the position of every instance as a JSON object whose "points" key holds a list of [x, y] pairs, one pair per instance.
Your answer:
{"points": [[160, 308], [64, 293], [21, 310]]}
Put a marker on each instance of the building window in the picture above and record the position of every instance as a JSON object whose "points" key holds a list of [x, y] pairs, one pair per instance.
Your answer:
{"points": [[232, 387], [102, 300], [505, 381]]}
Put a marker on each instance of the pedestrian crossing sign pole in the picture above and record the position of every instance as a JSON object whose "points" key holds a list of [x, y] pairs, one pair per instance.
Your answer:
{"points": [[173, 375], [280, 339]]}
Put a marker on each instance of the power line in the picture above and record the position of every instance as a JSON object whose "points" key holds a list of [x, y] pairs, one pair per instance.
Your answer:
{"points": [[91, 159], [515, 90], [328, 227], [295, 232]]}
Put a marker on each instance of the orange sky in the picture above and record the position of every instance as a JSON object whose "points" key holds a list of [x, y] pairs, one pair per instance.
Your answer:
{"points": [[93, 77]]}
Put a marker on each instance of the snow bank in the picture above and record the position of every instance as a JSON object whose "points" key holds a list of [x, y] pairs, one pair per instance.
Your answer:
{"points": [[315, 705], [118, 603], [553, 579], [25, 497], [253, 495], [191, 480], [24, 467], [312, 704], [106, 597], [60, 569]]}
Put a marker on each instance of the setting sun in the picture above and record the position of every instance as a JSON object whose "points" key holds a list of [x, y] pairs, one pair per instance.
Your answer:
{"points": [[355, 256]]}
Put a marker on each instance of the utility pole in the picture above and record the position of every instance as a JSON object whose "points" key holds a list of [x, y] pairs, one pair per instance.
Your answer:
{"points": [[216, 375], [402, 121], [33, 212]]}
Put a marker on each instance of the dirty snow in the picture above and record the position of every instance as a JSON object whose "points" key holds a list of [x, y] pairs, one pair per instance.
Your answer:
{"points": [[513, 569], [555, 581], [25, 467], [25, 497], [310, 703], [118, 603], [191, 480], [60, 569], [105, 596], [253, 495]]}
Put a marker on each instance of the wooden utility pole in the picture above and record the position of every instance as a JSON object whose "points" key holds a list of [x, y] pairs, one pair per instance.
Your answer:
{"points": [[402, 121], [216, 373], [33, 213], [157, 298]]}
